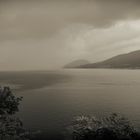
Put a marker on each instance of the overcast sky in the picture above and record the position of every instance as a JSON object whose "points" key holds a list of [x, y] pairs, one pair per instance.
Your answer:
{"points": [[46, 34]]}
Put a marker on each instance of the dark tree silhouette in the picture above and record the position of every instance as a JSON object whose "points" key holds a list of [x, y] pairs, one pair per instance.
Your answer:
{"points": [[8, 102], [11, 127]]}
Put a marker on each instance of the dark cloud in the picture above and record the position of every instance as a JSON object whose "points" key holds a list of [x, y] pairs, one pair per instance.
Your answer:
{"points": [[43, 18], [54, 32]]}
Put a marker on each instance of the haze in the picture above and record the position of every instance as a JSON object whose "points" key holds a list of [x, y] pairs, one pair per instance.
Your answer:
{"points": [[47, 34]]}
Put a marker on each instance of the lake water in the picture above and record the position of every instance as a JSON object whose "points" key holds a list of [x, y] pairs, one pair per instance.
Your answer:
{"points": [[52, 98]]}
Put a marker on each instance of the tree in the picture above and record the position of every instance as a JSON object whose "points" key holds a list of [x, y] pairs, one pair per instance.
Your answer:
{"points": [[11, 127], [9, 104]]}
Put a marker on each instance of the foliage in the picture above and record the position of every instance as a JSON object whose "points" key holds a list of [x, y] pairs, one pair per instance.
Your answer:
{"points": [[8, 102], [11, 127], [113, 127]]}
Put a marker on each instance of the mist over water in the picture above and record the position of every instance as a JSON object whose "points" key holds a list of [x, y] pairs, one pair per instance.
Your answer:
{"points": [[52, 98]]}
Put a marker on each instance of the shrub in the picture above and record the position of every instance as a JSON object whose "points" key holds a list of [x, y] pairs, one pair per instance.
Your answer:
{"points": [[11, 127], [113, 127]]}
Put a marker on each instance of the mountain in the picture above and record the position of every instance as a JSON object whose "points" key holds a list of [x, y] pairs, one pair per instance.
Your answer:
{"points": [[76, 63], [129, 60]]}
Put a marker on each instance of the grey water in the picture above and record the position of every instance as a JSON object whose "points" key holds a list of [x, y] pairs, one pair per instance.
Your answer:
{"points": [[52, 98]]}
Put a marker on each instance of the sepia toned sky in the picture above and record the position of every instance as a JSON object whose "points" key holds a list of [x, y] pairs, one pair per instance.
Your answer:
{"points": [[47, 34]]}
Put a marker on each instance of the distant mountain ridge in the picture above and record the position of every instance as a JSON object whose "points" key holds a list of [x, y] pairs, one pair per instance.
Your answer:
{"points": [[129, 60], [76, 63]]}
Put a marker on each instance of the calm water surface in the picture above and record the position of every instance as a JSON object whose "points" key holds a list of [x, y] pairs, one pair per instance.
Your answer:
{"points": [[53, 98]]}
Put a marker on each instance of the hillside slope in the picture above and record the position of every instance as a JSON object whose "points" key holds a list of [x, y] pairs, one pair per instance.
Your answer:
{"points": [[129, 60]]}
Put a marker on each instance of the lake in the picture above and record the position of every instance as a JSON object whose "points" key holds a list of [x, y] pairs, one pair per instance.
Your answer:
{"points": [[52, 98]]}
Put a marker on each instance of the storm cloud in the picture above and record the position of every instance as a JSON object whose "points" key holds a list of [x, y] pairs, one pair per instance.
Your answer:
{"points": [[35, 33]]}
